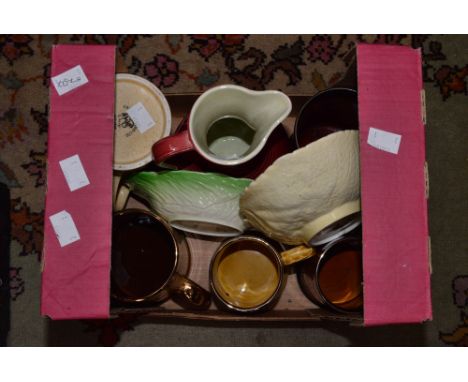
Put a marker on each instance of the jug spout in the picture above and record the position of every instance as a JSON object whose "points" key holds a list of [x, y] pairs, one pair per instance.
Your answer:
{"points": [[268, 109]]}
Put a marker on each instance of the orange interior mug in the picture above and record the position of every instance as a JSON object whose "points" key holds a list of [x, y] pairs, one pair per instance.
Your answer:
{"points": [[334, 278]]}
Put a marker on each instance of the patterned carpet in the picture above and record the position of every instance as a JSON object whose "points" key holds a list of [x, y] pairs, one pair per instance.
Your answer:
{"points": [[192, 63]]}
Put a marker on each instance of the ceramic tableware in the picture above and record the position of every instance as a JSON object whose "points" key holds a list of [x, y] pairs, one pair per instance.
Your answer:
{"points": [[278, 144], [142, 117], [247, 273], [327, 112], [196, 202], [228, 125], [150, 261], [333, 279]]}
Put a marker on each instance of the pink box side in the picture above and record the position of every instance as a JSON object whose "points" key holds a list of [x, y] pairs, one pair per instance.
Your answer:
{"points": [[75, 278], [393, 194]]}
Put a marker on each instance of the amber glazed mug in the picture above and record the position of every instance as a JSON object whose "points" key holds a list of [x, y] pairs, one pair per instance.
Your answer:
{"points": [[149, 260], [247, 273], [333, 279]]}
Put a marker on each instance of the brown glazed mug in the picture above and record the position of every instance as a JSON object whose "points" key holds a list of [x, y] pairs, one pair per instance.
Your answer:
{"points": [[327, 112], [334, 278], [247, 273], [149, 261]]}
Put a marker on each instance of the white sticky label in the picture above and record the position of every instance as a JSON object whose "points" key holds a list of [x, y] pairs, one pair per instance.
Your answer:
{"points": [[74, 172], [384, 140], [141, 117], [69, 80], [65, 228]]}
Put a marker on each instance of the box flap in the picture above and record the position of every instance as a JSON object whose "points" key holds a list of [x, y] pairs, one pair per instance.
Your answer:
{"points": [[78, 223], [393, 192]]}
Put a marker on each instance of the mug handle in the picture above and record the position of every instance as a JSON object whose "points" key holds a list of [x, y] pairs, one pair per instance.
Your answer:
{"points": [[121, 198], [171, 146], [115, 187], [296, 254], [189, 294]]}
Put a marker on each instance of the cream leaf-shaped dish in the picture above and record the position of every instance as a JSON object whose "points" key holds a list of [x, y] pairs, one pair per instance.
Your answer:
{"points": [[306, 191]]}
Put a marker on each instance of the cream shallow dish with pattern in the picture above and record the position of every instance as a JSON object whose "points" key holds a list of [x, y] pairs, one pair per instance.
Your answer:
{"points": [[138, 98]]}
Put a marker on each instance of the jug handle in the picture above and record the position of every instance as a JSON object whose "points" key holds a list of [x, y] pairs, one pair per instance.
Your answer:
{"points": [[171, 146]]}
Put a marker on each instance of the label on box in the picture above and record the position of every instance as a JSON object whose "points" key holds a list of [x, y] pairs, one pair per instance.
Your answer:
{"points": [[65, 228], [69, 80], [141, 117], [74, 172], [384, 140]]}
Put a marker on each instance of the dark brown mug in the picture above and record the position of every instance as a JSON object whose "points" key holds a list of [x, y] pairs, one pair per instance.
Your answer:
{"points": [[333, 279], [325, 113], [149, 262]]}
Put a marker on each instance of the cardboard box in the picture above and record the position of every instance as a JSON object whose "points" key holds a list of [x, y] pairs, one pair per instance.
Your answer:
{"points": [[394, 197]]}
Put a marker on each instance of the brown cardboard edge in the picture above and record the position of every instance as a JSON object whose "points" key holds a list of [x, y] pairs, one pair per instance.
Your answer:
{"points": [[308, 315]]}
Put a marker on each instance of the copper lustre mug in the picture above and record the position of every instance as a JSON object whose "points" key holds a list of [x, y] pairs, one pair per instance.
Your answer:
{"points": [[149, 260], [327, 112], [247, 273], [334, 278]]}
